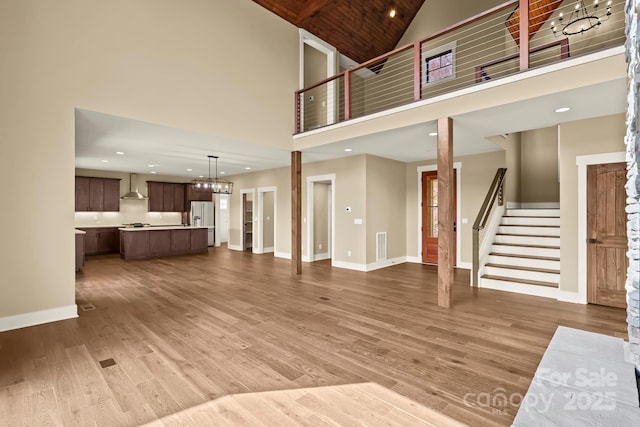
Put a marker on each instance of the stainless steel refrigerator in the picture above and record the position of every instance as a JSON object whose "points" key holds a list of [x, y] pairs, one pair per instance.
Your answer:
{"points": [[202, 215]]}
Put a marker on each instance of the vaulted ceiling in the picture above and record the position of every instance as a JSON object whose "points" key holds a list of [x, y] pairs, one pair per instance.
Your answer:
{"points": [[359, 29]]}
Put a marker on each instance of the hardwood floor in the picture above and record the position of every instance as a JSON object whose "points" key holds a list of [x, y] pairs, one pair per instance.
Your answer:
{"points": [[230, 338]]}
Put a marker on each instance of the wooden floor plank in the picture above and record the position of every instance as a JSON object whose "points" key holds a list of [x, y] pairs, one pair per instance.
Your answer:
{"points": [[231, 338]]}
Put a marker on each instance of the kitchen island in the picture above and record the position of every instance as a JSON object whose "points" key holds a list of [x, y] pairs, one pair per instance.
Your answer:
{"points": [[153, 242]]}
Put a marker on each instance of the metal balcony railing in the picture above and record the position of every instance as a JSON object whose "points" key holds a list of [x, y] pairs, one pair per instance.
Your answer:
{"points": [[484, 47]]}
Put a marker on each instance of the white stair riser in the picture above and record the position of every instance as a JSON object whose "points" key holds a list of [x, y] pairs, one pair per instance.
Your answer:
{"points": [[519, 250], [524, 262], [532, 212], [526, 240], [501, 285], [536, 231], [521, 220], [522, 274]]}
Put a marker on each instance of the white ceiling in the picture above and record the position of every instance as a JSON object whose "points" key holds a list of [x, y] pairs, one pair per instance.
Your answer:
{"points": [[99, 136]]}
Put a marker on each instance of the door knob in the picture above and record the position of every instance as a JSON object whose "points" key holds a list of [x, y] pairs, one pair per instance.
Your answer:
{"points": [[592, 241]]}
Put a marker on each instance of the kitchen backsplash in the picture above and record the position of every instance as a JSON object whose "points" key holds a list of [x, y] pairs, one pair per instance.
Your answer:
{"points": [[130, 211]]}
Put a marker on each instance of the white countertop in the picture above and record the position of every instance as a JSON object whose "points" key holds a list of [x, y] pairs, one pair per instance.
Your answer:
{"points": [[80, 231], [168, 227]]}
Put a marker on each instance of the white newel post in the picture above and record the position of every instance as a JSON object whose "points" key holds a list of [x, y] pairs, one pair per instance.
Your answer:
{"points": [[632, 141]]}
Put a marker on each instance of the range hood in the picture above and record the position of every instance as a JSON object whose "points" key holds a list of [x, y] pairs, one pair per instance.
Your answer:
{"points": [[133, 194]]}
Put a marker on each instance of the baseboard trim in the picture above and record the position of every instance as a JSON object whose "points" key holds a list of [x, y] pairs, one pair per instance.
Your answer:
{"points": [[386, 263], [519, 288], [572, 297], [533, 205], [234, 247], [38, 317], [320, 257], [414, 259], [284, 255], [349, 265], [268, 250], [465, 265]]}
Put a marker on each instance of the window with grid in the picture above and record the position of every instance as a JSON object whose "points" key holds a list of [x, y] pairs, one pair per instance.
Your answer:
{"points": [[439, 67]]}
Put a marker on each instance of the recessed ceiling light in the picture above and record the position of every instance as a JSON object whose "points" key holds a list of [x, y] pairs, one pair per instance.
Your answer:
{"points": [[120, 153], [562, 109], [104, 161], [247, 168], [392, 13], [153, 171], [348, 150], [153, 166], [189, 170], [222, 173], [433, 134], [201, 176]]}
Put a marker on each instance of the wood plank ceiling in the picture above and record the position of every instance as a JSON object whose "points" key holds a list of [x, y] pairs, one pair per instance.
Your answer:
{"points": [[359, 29]]}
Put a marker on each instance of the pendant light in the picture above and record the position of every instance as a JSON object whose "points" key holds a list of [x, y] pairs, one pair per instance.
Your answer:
{"points": [[214, 185]]}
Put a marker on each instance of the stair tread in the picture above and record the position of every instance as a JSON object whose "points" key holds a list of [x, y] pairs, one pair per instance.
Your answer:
{"points": [[523, 281], [529, 225], [527, 246], [525, 235], [517, 267], [541, 258], [528, 216]]}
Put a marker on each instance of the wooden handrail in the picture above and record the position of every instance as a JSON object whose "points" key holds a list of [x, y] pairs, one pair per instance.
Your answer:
{"points": [[495, 192]]}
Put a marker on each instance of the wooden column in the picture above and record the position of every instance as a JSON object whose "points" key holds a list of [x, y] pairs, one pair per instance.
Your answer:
{"points": [[296, 212], [524, 35], [446, 244]]}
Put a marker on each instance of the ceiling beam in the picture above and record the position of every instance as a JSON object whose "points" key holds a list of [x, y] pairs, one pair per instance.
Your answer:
{"points": [[310, 8]]}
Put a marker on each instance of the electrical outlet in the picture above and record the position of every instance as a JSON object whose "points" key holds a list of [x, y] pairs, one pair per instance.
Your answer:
{"points": [[319, 245], [348, 253]]}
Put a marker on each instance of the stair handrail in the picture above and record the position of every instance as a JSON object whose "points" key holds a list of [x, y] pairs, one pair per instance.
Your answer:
{"points": [[496, 191]]}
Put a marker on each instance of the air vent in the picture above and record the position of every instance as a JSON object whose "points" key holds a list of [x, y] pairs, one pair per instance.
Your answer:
{"points": [[381, 246]]}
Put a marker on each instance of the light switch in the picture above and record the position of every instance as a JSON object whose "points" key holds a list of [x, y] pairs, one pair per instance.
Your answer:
{"points": [[357, 221], [465, 220]]}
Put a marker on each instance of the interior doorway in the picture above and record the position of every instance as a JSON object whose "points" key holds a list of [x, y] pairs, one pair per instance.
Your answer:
{"points": [[606, 234], [320, 218], [222, 219], [247, 221]]}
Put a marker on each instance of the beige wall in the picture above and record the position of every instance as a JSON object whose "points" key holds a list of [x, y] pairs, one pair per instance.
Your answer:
{"points": [[188, 64], [477, 173], [539, 166], [593, 136], [315, 69], [268, 220], [386, 206], [511, 144], [320, 218]]}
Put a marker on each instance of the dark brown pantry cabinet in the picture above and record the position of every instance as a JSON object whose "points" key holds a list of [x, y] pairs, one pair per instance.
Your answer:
{"points": [[97, 194], [101, 240]]}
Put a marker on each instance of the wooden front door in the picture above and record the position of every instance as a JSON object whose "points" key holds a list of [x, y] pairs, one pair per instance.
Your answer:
{"points": [[606, 234], [430, 217]]}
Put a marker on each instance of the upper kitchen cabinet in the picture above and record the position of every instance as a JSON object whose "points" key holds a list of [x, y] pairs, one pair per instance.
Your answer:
{"points": [[195, 195], [97, 194], [166, 196]]}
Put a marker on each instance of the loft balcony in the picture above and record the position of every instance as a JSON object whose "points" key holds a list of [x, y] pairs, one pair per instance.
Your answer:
{"points": [[491, 46]]}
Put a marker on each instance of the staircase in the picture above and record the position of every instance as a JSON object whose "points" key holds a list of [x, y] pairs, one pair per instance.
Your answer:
{"points": [[525, 255]]}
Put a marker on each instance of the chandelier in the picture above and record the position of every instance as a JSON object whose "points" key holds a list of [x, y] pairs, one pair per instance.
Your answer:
{"points": [[581, 19], [215, 185]]}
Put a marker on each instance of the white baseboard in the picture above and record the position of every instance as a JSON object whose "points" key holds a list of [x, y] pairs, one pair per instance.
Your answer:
{"points": [[320, 257], [268, 250], [386, 263], [465, 265], [519, 288], [574, 297], [414, 259], [38, 317], [533, 205], [284, 255], [305, 258], [349, 265], [235, 247]]}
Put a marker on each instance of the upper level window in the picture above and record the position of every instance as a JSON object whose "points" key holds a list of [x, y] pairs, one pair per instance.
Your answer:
{"points": [[439, 67], [439, 64]]}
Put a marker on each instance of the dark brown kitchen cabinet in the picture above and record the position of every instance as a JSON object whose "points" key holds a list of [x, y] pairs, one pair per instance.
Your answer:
{"points": [[196, 195], [166, 196], [160, 243], [97, 194], [152, 243], [101, 240], [180, 241]]}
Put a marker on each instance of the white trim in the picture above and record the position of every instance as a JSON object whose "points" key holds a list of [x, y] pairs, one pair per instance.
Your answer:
{"points": [[428, 168], [348, 265], [618, 50], [234, 247], [309, 243], [519, 288], [260, 231], [320, 257], [465, 265], [533, 205], [573, 297], [38, 317], [582, 162], [285, 255], [385, 263], [268, 250], [488, 238], [414, 260]]}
